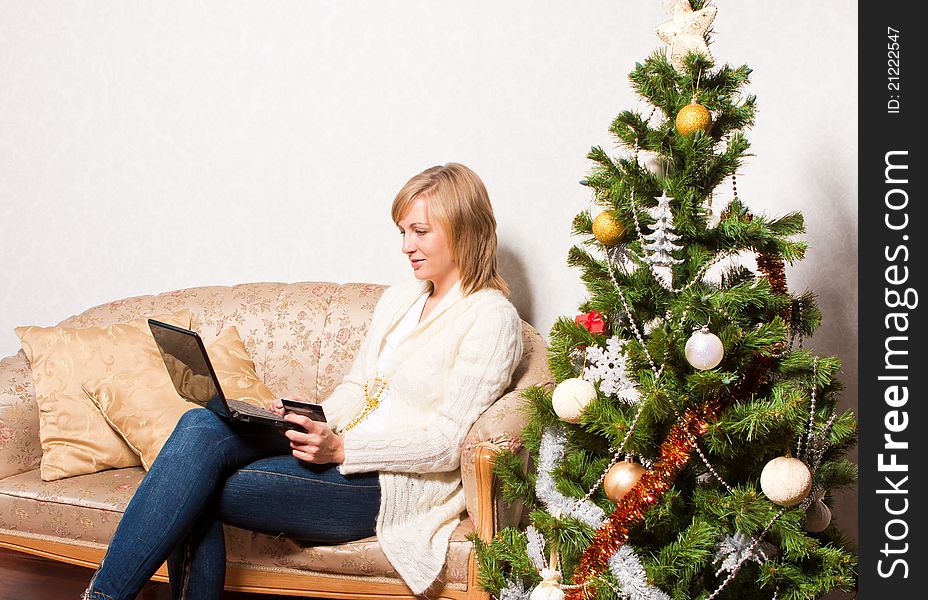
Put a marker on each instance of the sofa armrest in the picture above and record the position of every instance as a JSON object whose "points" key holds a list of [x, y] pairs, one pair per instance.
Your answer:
{"points": [[485, 499], [20, 449], [498, 428]]}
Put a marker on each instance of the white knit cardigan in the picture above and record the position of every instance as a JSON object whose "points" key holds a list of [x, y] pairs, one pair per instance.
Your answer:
{"points": [[442, 376]]}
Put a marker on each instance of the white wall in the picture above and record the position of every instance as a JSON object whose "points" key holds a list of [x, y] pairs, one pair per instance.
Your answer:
{"points": [[149, 146]]}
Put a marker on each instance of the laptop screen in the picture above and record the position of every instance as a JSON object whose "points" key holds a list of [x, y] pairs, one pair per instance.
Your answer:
{"points": [[187, 363]]}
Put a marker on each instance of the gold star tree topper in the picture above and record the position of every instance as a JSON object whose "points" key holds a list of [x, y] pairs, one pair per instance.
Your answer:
{"points": [[686, 31]]}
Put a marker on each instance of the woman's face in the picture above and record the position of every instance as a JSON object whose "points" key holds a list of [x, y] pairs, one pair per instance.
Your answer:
{"points": [[427, 245]]}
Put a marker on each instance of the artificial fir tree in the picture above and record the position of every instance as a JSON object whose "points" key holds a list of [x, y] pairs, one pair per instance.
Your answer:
{"points": [[701, 461]]}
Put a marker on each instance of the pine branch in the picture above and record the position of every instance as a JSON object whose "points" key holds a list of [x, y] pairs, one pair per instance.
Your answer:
{"points": [[802, 363], [745, 509], [669, 516], [583, 462], [766, 339], [540, 415], [789, 535], [567, 534], [788, 225], [718, 167], [515, 483], [629, 128], [678, 562], [504, 557], [827, 568], [658, 82], [806, 316], [578, 257], [565, 337], [843, 431], [760, 418], [582, 226], [837, 474], [611, 421]]}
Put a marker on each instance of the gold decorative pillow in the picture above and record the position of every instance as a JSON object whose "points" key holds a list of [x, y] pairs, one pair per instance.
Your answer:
{"points": [[236, 371], [75, 437], [143, 406]]}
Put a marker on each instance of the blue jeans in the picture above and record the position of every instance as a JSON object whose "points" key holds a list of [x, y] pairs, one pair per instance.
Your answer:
{"points": [[210, 472]]}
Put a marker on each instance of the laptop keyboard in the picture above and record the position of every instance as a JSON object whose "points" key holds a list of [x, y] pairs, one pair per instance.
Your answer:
{"points": [[251, 409]]}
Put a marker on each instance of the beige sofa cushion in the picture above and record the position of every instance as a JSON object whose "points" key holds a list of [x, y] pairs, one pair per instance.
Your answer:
{"points": [[87, 509], [236, 371], [19, 417], [143, 407], [75, 437]]}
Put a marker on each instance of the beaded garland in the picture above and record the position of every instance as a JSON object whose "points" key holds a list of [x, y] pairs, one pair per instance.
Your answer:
{"points": [[370, 402]]}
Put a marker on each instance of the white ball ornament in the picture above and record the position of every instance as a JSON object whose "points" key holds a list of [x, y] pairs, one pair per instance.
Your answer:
{"points": [[570, 398], [704, 350], [786, 481], [654, 163], [548, 589]]}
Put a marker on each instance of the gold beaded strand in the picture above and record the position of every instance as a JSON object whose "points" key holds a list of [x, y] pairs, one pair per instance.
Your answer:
{"points": [[370, 402]]}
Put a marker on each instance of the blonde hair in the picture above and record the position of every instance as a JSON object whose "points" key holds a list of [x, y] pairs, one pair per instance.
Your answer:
{"points": [[459, 203]]}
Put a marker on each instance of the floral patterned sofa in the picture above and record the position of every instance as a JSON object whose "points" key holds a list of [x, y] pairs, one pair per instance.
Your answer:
{"points": [[302, 337]]}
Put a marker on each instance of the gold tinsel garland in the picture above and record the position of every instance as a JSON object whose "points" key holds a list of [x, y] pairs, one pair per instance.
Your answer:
{"points": [[673, 455], [773, 269]]}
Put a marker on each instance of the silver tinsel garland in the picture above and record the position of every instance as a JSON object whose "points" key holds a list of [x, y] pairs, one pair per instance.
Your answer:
{"points": [[550, 454], [535, 548], [633, 581]]}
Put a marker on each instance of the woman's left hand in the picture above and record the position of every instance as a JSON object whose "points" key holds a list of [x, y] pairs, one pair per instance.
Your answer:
{"points": [[318, 444]]}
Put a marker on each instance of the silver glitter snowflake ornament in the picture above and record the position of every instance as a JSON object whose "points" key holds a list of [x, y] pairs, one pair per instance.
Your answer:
{"points": [[737, 549], [609, 367]]}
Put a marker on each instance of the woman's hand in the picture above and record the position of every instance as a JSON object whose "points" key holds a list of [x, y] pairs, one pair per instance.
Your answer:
{"points": [[318, 444], [278, 407]]}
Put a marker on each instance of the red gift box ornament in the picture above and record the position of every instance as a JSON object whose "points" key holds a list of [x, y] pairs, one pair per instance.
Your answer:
{"points": [[592, 321]]}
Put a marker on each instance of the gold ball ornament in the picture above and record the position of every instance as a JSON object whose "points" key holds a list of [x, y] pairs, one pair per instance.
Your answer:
{"points": [[692, 118], [607, 230], [571, 396], [786, 481], [621, 478]]}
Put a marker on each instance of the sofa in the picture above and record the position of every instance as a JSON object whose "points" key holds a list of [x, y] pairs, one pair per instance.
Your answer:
{"points": [[302, 338]]}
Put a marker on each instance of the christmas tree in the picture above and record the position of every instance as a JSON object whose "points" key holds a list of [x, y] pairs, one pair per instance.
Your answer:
{"points": [[691, 444]]}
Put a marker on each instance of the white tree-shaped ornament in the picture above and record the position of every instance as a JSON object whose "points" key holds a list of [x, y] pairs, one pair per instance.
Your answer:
{"points": [[662, 238]]}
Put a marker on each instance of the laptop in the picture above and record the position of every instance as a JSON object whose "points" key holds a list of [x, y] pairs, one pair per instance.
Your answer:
{"points": [[187, 363]]}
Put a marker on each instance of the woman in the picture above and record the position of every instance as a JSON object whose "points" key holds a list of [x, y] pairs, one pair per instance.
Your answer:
{"points": [[439, 351]]}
